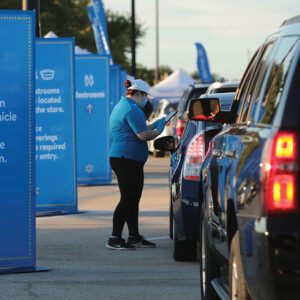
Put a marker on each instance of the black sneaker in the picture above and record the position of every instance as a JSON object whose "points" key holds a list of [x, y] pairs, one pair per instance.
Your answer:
{"points": [[115, 243], [140, 242]]}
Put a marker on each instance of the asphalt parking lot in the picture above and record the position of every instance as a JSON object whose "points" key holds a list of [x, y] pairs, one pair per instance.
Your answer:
{"points": [[73, 247]]}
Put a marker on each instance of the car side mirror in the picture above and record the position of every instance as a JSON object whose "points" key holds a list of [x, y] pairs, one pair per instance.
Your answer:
{"points": [[204, 109], [165, 143]]}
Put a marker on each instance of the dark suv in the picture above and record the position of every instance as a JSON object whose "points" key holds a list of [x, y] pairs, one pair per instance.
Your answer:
{"points": [[250, 225], [185, 165]]}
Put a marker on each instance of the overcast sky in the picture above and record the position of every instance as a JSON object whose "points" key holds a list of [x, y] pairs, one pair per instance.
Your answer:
{"points": [[230, 30]]}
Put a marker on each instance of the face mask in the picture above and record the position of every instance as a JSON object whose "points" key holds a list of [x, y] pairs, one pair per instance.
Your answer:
{"points": [[144, 102]]}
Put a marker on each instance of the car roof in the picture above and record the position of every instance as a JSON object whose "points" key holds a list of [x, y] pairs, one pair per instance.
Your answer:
{"points": [[288, 27], [293, 20], [218, 84], [201, 85]]}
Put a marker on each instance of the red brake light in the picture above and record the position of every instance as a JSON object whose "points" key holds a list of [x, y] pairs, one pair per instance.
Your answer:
{"points": [[279, 174], [285, 146], [180, 125], [194, 158]]}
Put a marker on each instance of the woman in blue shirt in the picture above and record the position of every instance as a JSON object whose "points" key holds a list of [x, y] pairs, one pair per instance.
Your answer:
{"points": [[129, 134]]}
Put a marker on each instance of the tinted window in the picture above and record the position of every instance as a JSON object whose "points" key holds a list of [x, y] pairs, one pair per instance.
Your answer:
{"points": [[170, 107], [196, 93], [224, 90], [276, 83], [256, 83], [181, 105]]}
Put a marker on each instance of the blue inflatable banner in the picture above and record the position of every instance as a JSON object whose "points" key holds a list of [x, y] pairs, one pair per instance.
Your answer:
{"points": [[56, 186], [92, 119], [203, 65], [100, 21], [100, 13], [96, 29], [17, 160], [115, 85]]}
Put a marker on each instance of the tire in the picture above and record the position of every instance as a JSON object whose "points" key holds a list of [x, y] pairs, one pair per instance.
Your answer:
{"points": [[237, 286], [209, 270], [184, 250], [171, 220]]}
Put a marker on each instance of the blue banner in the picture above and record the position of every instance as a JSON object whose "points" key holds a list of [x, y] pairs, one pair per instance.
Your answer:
{"points": [[96, 29], [99, 19], [55, 126], [100, 13], [203, 65], [92, 117], [115, 85], [17, 161]]}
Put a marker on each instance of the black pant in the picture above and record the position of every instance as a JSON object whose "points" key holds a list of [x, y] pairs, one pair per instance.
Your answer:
{"points": [[130, 175]]}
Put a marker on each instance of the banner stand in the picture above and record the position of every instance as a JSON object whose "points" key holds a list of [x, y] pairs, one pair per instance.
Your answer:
{"points": [[23, 270], [58, 213]]}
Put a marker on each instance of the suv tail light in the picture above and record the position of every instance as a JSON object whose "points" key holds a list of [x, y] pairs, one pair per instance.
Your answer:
{"points": [[194, 158], [279, 173], [180, 125]]}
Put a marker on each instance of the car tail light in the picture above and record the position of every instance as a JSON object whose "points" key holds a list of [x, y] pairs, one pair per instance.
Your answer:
{"points": [[194, 157], [180, 125], [279, 173]]}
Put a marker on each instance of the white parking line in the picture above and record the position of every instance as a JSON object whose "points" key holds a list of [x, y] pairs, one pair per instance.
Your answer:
{"points": [[159, 238]]}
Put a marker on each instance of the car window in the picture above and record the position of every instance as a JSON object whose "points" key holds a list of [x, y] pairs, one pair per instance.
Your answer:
{"points": [[196, 93], [237, 103], [224, 89], [276, 83], [181, 105], [256, 83], [170, 107]]}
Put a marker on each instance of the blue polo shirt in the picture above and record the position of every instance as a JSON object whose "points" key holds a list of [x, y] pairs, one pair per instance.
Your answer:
{"points": [[126, 120]]}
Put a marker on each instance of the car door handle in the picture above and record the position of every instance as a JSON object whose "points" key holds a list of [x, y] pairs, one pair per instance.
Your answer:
{"points": [[231, 154]]}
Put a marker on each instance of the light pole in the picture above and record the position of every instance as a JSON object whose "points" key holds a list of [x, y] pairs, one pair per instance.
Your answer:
{"points": [[33, 5], [133, 39], [157, 41]]}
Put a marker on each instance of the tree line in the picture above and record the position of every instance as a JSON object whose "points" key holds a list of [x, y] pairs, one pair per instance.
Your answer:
{"points": [[69, 18]]}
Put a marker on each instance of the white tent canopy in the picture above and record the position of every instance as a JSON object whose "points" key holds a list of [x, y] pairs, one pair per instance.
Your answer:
{"points": [[81, 51], [172, 86], [51, 35]]}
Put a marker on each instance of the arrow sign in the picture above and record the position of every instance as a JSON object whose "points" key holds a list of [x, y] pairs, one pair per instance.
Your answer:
{"points": [[90, 108]]}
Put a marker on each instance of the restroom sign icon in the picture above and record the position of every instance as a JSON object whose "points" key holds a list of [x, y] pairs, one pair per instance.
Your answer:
{"points": [[88, 80]]}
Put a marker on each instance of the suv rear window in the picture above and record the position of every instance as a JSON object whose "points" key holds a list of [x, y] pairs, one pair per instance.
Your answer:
{"points": [[170, 107], [230, 89], [190, 94]]}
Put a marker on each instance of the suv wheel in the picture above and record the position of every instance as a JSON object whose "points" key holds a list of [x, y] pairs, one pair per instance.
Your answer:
{"points": [[237, 286], [171, 221], [208, 268]]}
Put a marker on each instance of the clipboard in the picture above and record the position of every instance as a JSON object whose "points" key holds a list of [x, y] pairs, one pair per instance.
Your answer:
{"points": [[170, 116]]}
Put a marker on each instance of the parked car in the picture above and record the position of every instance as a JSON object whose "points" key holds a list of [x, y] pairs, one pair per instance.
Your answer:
{"points": [[185, 165], [222, 87], [164, 107], [250, 239], [179, 122]]}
